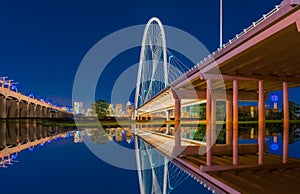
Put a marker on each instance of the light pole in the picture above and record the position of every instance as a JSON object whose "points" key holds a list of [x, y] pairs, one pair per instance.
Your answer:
{"points": [[221, 23]]}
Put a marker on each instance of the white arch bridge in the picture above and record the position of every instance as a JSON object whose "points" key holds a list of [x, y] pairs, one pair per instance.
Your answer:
{"points": [[261, 59]]}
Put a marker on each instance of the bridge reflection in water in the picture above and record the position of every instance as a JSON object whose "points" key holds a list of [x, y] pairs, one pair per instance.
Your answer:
{"points": [[156, 172], [18, 135], [159, 174]]}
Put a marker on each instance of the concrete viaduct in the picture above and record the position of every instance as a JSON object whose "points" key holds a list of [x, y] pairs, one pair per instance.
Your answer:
{"points": [[14, 105]]}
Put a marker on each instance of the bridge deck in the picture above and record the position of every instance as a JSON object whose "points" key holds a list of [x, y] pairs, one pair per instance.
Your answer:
{"points": [[247, 177]]}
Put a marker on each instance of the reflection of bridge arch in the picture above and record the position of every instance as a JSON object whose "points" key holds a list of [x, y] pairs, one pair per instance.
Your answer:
{"points": [[156, 173]]}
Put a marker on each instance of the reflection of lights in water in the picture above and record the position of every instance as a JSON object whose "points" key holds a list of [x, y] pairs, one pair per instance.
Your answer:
{"points": [[77, 137], [14, 156], [252, 133], [31, 148], [68, 135], [43, 144], [274, 145]]}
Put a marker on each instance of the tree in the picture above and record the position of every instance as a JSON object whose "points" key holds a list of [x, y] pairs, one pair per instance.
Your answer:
{"points": [[101, 108], [293, 109]]}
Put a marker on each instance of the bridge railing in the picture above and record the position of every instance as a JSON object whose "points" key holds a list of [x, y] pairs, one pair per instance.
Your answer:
{"points": [[18, 95], [237, 36]]}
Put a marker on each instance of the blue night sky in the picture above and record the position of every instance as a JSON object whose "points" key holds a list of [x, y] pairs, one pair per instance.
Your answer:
{"points": [[43, 42]]}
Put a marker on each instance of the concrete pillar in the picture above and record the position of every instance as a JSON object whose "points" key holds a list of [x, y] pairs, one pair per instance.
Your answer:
{"points": [[168, 126], [168, 116], [2, 107], [12, 107], [213, 120], [261, 122], [34, 110], [235, 107], [24, 109], [30, 110], [17, 109], [38, 111], [177, 122], [286, 122], [208, 127], [229, 122], [48, 113], [44, 112]]}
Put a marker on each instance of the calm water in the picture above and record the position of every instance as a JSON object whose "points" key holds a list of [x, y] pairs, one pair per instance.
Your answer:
{"points": [[54, 160]]}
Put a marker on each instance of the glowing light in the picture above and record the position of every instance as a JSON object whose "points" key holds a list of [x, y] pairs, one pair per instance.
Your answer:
{"points": [[14, 156], [274, 146], [31, 148]]}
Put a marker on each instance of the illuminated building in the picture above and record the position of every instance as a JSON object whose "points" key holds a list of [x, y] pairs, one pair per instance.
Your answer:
{"points": [[110, 110], [129, 109], [119, 109], [78, 108]]}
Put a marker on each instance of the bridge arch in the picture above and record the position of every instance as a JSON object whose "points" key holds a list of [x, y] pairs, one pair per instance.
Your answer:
{"points": [[154, 54]]}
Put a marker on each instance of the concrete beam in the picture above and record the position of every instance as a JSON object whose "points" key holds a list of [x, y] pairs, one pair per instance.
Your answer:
{"points": [[216, 94]]}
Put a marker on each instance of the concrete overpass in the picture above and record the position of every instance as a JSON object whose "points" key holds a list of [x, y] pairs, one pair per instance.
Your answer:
{"points": [[262, 58], [16, 105]]}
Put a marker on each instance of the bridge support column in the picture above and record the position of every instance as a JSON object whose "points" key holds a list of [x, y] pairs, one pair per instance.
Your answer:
{"points": [[24, 109], [208, 127], [12, 108], [17, 114], [213, 120], [177, 122], [48, 113], [235, 122], [286, 122], [168, 116], [44, 111], [229, 122], [34, 110], [38, 111], [2, 107], [261, 122]]}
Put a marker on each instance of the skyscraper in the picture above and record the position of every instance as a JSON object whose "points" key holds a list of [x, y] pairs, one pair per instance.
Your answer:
{"points": [[129, 109], [119, 109], [78, 108]]}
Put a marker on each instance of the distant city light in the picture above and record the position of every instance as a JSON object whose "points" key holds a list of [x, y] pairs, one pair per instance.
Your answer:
{"points": [[68, 108]]}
